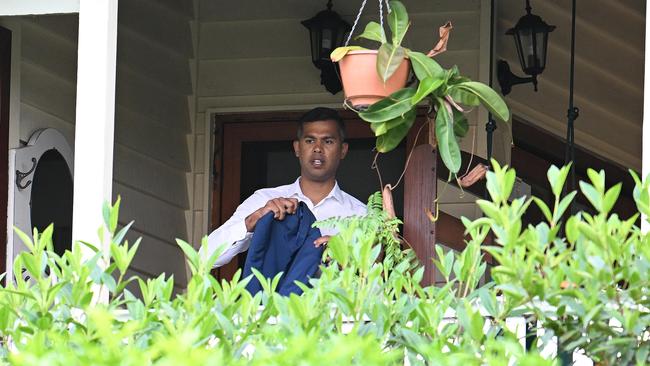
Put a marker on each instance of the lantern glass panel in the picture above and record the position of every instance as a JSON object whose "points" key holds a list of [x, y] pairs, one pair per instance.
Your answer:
{"points": [[520, 51], [326, 43], [315, 44], [527, 49], [542, 40]]}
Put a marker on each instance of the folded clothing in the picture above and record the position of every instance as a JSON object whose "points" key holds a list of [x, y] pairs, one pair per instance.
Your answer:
{"points": [[285, 246]]}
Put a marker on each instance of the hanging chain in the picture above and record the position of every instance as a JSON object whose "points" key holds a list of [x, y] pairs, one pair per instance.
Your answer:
{"points": [[355, 22], [381, 14]]}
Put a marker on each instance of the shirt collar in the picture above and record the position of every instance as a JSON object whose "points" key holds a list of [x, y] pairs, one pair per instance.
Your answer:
{"points": [[336, 192]]}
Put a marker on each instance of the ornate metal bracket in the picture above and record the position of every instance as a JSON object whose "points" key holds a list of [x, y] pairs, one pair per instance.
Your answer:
{"points": [[20, 176]]}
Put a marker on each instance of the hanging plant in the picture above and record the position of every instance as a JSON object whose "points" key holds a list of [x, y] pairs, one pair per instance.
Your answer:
{"points": [[448, 94]]}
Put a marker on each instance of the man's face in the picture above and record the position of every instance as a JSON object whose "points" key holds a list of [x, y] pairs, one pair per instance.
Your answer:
{"points": [[320, 150]]}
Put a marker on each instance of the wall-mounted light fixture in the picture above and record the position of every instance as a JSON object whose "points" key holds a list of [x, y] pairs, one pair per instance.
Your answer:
{"points": [[531, 39], [326, 31]]}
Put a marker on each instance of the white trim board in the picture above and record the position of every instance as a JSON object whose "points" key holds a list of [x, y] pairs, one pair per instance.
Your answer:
{"points": [[38, 7]]}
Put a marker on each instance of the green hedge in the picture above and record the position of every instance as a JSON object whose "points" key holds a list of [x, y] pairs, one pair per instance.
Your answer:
{"points": [[588, 288]]}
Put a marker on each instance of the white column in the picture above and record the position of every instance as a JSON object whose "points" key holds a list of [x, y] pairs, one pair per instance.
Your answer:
{"points": [[645, 157], [95, 120]]}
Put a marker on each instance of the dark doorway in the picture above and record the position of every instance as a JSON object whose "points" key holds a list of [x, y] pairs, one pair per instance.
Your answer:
{"points": [[51, 200], [258, 154], [272, 163]]}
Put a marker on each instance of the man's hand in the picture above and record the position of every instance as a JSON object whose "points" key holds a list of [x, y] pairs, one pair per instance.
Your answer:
{"points": [[321, 241], [279, 206]]}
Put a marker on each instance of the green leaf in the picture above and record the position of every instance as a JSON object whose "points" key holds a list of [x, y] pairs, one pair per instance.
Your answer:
{"points": [[610, 197], [447, 144], [25, 239], [340, 52], [557, 177], [383, 127], [489, 98], [114, 213], [489, 208], [132, 251], [563, 205], [191, 255], [571, 229], [394, 136], [106, 214], [488, 301], [426, 87], [117, 239], [462, 96], [45, 239], [592, 195], [597, 179], [373, 32], [461, 125], [544, 208], [389, 57], [391, 107], [424, 66], [398, 21]]}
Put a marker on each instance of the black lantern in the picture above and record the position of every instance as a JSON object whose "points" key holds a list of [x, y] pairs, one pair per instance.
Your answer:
{"points": [[326, 31], [531, 40]]}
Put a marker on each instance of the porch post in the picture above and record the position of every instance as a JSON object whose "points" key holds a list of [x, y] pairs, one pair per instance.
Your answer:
{"points": [[95, 119], [645, 144]]}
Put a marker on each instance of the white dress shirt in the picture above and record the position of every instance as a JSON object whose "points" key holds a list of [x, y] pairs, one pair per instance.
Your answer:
{"points": [[336, 203]]}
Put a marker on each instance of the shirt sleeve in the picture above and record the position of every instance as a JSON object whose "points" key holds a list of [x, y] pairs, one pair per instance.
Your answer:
{"points": [[233, 231]]}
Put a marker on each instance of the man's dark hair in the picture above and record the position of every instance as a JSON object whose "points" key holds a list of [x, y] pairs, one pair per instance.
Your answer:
{"points": [[322, 114]]}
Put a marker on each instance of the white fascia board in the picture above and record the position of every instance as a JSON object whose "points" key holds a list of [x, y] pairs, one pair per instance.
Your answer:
{"points": [[37, 7]]}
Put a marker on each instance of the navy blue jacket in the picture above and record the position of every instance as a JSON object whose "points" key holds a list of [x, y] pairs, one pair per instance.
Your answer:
{"points": [[284, 246]]}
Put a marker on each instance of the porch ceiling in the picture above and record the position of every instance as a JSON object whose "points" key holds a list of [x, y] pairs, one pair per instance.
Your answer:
{"points": [[608, 76], [608, 73]]}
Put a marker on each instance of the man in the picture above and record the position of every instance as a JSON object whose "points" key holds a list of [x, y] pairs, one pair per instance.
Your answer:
{"points": [[320, 146]]}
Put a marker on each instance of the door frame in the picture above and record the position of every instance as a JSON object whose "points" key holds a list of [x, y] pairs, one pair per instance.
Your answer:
{"points": [[5, 101], [231, 130]]}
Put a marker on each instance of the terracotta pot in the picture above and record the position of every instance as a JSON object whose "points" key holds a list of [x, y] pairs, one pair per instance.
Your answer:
{"points": [[361, 83]]}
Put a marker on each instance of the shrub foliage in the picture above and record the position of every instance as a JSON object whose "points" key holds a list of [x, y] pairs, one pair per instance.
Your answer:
{"points": [[585, 282]]}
